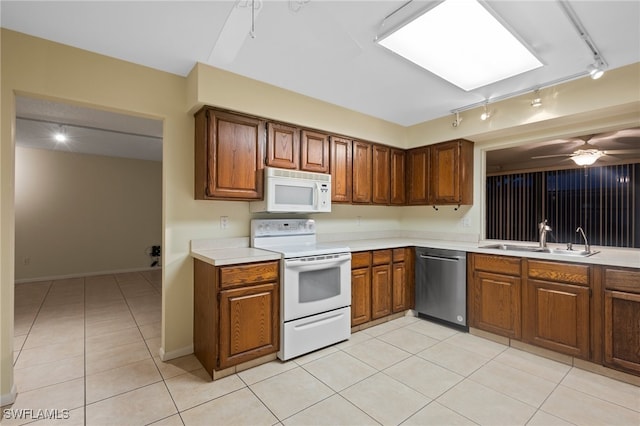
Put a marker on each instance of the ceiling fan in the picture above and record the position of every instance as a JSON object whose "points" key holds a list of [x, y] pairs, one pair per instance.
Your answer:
{"points": [[587, 154]]}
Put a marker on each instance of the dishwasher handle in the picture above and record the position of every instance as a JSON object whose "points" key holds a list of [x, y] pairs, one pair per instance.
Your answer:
{"points": [[445, 258]]}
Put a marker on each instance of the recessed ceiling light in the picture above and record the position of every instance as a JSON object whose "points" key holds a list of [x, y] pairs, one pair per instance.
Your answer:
{"points": [[463, 43], [60, 135]]}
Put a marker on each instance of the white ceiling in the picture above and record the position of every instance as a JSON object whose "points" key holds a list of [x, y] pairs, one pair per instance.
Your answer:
{"points": [[326, 49]]}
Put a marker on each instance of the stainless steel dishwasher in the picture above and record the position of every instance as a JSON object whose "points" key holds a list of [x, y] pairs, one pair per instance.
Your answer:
{"points": [[441, 285]]}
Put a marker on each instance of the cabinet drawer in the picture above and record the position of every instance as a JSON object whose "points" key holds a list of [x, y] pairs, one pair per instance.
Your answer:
{"points": [[360, 259], [622, 279], [398, 255], [381, 257], [559, 272], [501, 264], [253, 273]]}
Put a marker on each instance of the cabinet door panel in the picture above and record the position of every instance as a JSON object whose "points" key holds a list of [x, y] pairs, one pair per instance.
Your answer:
{"points": [[361, 172], [418, 176], [557, 317], [398, 195], [283, 146], [380, 291], [622, 330], [381, 177], [248, 323], [360, 296], [234, 158], [341, 170], [445, 174], [497, 304], [315, 152], [400, 297]]}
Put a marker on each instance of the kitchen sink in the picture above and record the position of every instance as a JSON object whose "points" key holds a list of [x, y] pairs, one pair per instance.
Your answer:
{"points": [[537, 249], [578, 253], [512, 247]]}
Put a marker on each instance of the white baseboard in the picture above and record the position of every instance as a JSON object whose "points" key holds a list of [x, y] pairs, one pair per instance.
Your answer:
{"points": [[9, 398], [84, 274], [166, 356]]}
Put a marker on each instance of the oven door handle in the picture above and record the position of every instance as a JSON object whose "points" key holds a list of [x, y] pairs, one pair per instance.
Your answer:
{"points": [[313, 263]]}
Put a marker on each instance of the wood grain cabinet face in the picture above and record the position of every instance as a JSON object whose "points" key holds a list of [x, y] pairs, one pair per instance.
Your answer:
{"points": [[381, 178], [283, 146], [417, 180], [495, 294], [496, 300], [362, 186], [451, 173], [315, 152], [236, 313], [248, 323], [341, 170], [229, 155], [556, 307], [398, 194], [403, 282], [622, 320], [360, 288], [381, 288]]}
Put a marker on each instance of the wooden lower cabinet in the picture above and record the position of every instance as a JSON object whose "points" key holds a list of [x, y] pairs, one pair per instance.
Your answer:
{"points": [[381, 284], [494, 294], [381, 291], [403, 291], [556, 307], [622, 319], [556, 317], [236, 313], [248, 323], [496, 300], [360, 296]]}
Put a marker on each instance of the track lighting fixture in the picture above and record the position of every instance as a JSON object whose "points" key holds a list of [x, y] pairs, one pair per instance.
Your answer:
{"points": [[457, 121], [536, 101], [486, 114], [596, 70], [60, 135]]}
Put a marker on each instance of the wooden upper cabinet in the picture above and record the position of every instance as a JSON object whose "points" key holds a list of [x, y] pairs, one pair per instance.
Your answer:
{"points": [[397, 192], [229, 155], [417, 179], [283, 146], [381, 177], [340, 170], [315, 152], [451, 173], [361, 172]]}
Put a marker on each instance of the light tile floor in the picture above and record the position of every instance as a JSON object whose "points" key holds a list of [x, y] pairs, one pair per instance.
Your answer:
{"points": [[90, 346]]}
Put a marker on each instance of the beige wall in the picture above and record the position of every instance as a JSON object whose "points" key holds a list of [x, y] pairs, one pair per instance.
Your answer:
{"points": [[40, 68], [80, 214]]}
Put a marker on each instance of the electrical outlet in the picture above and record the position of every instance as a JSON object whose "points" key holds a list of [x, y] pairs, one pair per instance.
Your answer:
{"points": [[466, 222], [26, 261], [224, 222], [358, 220]]}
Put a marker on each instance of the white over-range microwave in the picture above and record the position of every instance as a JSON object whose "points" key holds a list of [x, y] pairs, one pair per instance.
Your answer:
{"points": [[294, 191]]}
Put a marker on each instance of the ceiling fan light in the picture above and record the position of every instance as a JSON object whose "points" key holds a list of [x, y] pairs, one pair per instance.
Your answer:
{"points": [[586, 158]]}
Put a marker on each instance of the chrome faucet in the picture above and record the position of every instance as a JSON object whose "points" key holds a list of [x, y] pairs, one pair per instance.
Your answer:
{"points": [[587, 247], [543, 228]]}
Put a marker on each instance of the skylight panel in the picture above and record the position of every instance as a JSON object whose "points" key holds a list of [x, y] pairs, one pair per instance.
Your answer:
{"points": [[463, 43]]}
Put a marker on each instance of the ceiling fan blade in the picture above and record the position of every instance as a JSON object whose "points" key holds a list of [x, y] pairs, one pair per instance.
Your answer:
{"points": [[622, 151], [551, 156]]}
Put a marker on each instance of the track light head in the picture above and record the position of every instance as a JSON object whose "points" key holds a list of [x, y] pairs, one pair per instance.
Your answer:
{"points": [[457, 120], [536, 101], [486, 114]]}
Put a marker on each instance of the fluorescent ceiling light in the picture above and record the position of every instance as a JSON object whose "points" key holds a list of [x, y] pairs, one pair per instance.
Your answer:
{"points": [[460, 41]]}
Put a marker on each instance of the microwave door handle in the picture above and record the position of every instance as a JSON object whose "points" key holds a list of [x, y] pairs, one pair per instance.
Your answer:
{"points": [[316, 195]]}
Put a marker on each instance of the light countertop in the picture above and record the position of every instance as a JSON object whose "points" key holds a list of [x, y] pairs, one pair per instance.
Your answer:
{"points": [[233, 251]]}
